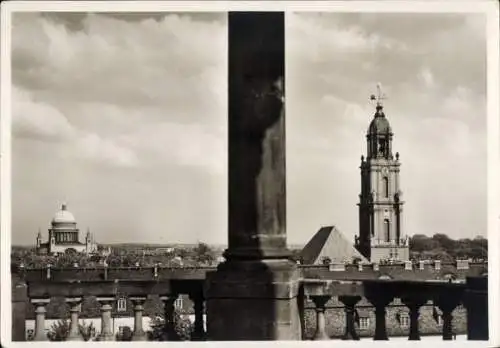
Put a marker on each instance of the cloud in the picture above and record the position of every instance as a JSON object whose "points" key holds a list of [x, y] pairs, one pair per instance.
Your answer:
{"points": [[41, 121], [126, 111], [38, 119]]}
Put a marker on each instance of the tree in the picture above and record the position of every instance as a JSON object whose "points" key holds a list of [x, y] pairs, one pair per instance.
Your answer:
{"points": [[420, 243], [203, 254], [445, 242]]}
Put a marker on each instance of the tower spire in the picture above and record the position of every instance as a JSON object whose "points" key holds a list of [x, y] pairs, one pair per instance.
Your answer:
{"points": [[379, 96]]}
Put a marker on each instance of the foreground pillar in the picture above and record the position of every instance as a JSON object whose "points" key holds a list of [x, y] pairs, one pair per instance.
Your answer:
{"points": [[253, 295]]}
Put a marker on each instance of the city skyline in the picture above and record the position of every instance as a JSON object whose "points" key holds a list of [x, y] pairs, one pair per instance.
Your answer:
{"points": [[148, 161]]}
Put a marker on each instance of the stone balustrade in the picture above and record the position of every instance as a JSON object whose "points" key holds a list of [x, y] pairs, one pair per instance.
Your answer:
{"points": [[413, 294], [40, 294], [319, 284]]}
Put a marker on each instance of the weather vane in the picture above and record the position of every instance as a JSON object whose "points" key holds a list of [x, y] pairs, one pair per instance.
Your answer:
{"points": [[380, 96]]}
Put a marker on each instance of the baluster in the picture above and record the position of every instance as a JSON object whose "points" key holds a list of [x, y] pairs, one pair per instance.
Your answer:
{"points": [[75, 305], [380, 301], [106, 330], [40, 311], [349, 308], [168, 301], [199, 327], [447, 303], [319, 303], [138, 334], [414, 303]]}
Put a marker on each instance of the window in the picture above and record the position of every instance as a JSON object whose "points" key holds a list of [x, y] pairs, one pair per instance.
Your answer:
{"points": [[440, 320], [387, 229], [364, 323], [178, 303], [405, 320], [386, 187], [121, 305], [394, 254]]}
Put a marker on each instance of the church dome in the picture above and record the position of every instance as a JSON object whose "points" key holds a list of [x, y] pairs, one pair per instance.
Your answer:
{"points": [[63, 216], [379, 124]]}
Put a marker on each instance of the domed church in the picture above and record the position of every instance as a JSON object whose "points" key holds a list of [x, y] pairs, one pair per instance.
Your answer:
{"points": [[64, 235]]}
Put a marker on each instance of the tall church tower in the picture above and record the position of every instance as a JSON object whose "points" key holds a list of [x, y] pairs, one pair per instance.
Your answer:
{"points": [[380, 205]]}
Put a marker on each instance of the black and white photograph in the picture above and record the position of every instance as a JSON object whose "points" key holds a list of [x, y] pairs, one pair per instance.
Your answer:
{"points": [[241, 174]]}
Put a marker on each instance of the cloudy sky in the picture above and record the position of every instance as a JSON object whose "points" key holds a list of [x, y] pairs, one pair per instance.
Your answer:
{"points": [[124, 118]]}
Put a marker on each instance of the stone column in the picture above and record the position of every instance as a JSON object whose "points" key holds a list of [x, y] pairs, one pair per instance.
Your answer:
{"points": [[75, 305], [380, 301], [349, 308], [320, 302], [414, 303], [106, 329], [199, 330], [138, 334], [40, 311], [168, 302], [252, 296]]}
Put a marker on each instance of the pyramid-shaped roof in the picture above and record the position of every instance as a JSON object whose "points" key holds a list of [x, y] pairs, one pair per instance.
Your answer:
{"points": [[329, 242]]}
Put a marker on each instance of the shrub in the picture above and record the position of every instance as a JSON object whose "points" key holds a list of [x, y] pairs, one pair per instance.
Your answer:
{"points": [[179, 331], [59, 331], [125, 334]]}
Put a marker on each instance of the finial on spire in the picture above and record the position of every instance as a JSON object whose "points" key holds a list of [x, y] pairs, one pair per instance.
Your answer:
{"points": [[379, 97]]}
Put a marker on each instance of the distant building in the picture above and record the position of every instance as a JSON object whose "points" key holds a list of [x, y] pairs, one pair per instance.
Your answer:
{"points": [[329, 246], [65, 236], [380, 205]]}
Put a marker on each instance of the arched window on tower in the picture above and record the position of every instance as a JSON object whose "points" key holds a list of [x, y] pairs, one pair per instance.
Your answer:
{"points": [[386, 187], [387, 230]]}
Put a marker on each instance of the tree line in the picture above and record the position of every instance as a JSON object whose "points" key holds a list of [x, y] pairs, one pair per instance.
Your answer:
{"points": [[442, 247]]}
